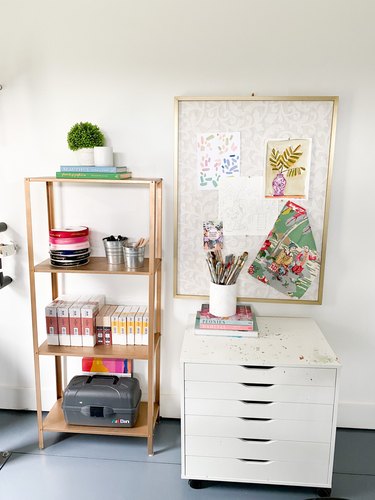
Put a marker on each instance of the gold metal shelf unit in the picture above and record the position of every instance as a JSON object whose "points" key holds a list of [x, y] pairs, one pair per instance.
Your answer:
{"points": [[149, 410]]}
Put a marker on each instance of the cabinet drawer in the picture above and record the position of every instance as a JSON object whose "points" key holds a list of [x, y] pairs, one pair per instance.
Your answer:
{"points": [[325, 377], [295, 430], [286, 451], [231, 469], [282, 393], [281, 411]]}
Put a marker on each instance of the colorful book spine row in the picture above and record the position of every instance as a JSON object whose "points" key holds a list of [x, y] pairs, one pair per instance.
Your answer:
{"points": [[88, 321], [107, 365]]}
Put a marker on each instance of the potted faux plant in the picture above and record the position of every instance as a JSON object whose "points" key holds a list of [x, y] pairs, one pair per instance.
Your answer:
{"points": [[82, 138]]}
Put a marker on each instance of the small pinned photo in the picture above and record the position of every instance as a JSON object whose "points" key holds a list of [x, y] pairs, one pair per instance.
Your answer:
{"points": [[213, 235]]}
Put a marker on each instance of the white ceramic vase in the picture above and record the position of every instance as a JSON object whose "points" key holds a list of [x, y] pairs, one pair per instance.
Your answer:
{"points": [[85, 157], [103, 156], [223, 299]]}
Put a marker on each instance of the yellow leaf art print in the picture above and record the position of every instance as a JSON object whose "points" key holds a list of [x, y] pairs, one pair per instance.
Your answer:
{"points": [[287, 169]]}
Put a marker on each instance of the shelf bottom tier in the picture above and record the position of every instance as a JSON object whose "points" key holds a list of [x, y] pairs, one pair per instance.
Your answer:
{"points": [[54, 422]]}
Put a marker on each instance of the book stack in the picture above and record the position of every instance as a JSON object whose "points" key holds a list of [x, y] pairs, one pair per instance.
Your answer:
{"points": [[241, 324], [82, 172]]}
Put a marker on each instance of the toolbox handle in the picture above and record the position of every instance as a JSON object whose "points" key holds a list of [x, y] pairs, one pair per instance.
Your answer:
{"points": [[106, 377]]}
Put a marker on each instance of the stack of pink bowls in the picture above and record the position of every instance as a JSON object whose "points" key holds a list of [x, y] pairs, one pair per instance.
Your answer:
{"points": [[69, 246]]}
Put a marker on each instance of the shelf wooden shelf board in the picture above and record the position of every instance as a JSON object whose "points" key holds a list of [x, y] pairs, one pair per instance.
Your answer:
{"points": [[97, 265], [54, 422], [99, 351], [133, 180]]}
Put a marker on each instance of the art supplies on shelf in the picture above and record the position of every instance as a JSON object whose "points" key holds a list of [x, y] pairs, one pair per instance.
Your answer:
{"points": [[225, 330], [142, 242], [69, 247], [113, 247], [225, 271], [87, 321], [134, 253], [86, 169], [94, 175]]}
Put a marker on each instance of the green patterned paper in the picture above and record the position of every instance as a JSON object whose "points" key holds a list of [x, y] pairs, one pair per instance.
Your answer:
{"points": [[288, 260]]}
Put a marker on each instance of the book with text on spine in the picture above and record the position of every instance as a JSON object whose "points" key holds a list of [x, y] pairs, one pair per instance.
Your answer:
{"points": [[224, 326], [225, 332], [82, 168], [92, 175], [243, 316]]}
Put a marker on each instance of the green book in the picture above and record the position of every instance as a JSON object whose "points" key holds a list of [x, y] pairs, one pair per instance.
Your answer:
{"points": [[93, 175]]}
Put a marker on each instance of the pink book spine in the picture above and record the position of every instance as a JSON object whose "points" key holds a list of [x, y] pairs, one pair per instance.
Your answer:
{"points": [[205, 326], [241, 309]]}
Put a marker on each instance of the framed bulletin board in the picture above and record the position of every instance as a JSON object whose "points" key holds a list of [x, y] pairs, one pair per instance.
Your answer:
{"points": [[251, 168]]}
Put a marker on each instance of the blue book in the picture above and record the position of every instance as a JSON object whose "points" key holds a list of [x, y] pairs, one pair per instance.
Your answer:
{"points": [[80, 168]]}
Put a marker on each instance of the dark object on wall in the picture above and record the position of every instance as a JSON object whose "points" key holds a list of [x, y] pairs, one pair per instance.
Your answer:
{"points": [[102, 400], [4, 280]]}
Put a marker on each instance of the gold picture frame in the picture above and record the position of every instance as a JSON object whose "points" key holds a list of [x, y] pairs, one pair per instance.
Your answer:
{"points": [[258, 119]]}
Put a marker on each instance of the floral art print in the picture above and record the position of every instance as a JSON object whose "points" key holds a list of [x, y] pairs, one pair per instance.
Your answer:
{"points": [[288, 260]]}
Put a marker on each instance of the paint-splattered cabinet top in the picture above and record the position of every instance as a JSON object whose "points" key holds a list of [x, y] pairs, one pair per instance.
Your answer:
{"points": [[281, 342]]}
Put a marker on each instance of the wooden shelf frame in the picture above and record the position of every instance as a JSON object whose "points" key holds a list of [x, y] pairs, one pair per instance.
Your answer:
{"points": [[97, 265], [101, 351], [152, 269]]}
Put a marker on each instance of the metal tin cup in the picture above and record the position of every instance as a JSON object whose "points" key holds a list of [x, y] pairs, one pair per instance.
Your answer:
{"points": [[223, 299], [113, 250], [134, 256]]}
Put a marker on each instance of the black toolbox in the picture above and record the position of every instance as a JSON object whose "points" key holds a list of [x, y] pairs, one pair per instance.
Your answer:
{"points": [[102, 400]]}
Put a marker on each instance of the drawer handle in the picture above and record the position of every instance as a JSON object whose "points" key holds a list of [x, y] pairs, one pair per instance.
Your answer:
{"points": [[257, 419], [255, 367], [254, 461], [250, 402], [247, 384], [256, 440]]}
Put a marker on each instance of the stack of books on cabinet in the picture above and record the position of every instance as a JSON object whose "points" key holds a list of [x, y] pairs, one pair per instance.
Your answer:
{"points": [[241, 324], [82, 172]]}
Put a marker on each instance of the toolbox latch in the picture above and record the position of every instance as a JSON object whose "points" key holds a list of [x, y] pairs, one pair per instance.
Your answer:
{"points": [[97, 411]]}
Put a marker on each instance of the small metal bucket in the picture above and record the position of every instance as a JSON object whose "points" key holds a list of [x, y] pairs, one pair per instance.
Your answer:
{"points": [[113, 250], [134, 256]]}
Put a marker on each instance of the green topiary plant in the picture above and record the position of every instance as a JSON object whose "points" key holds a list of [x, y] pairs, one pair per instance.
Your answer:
{"points": [[85, 135]]}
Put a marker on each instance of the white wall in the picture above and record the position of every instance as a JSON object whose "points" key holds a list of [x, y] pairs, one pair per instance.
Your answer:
{"points": [[119, 64]]}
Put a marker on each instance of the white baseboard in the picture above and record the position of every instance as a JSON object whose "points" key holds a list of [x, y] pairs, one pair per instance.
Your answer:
{"points": [[24, 398], [350, 415], [170, 405], [356, 415]]}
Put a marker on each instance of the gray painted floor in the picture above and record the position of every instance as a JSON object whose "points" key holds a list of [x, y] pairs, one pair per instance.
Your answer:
{"points": [[81, 467]]}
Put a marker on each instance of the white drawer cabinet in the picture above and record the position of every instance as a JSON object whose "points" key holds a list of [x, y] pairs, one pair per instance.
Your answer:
{"points": [[260, 410]]}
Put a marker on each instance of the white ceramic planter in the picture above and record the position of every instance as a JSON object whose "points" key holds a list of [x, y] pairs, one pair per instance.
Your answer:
{"points": [[85, 157], [103, 156]]}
